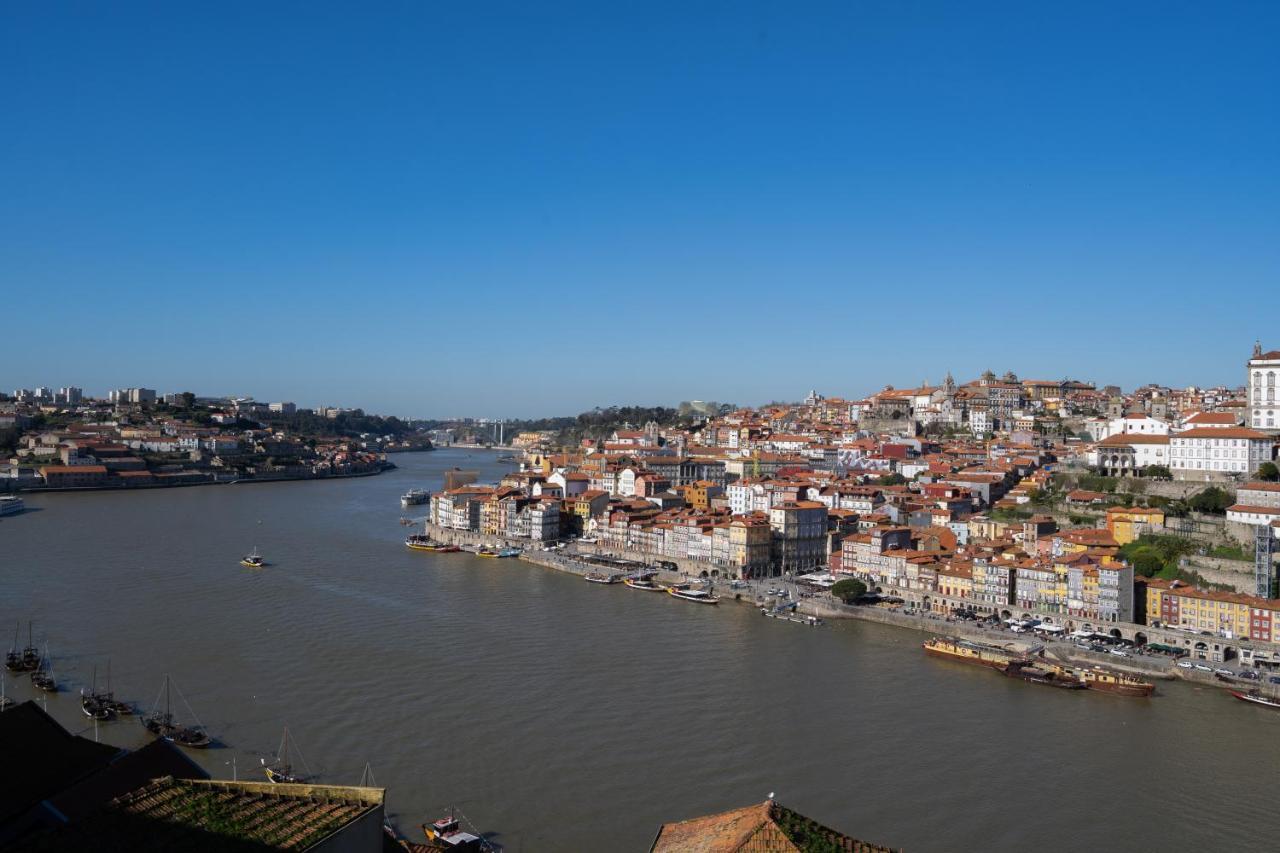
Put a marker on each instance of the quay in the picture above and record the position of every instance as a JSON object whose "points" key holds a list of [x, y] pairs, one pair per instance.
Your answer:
{"points": [[823, 607]]}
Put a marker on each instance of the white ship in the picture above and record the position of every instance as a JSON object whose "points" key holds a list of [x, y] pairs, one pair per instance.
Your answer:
{"points": [[414, 497]]}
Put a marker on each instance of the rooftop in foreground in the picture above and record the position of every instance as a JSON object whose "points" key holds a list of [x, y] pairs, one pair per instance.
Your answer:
{"points": [[196, 815], [761, 828]]}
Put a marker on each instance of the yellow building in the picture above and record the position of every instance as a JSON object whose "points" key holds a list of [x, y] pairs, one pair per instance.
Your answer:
{"points": [[1172, 603], [1128, 523]]}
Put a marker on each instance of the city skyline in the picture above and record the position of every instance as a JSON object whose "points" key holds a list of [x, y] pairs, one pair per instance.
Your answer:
{"points": [[400, 211]]}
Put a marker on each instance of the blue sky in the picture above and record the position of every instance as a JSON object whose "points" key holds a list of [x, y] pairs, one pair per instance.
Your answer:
{"points": [[529, 209]]}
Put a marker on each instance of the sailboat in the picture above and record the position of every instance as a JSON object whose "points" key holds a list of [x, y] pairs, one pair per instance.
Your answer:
{"points": [[5, 701], [280, 771], [42, 677], [93, 703], [22, 660], [120, 709], [163, 725], [254, 560]]}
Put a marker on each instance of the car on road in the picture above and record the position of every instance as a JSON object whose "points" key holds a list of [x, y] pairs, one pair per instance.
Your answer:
{"points": [[1250, 675], [1119, 653], [1184, 664], [1275, 679], [1225, 672], [1202, 667]]}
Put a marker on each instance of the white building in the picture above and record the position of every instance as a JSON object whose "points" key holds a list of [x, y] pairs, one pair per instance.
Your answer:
{"points": [[1137, 424], [1263, 373], [1208, 453]]}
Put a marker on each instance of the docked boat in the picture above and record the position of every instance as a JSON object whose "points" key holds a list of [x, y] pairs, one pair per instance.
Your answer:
{"points": [[1255, 697], [163, 724], [447, 834], [449, 549], [11, 505], [486, 551], [509, 552], [599, 577], [103, 705], [699, 596], [1043, 672], [281, 771], [1110, 681], [645, 584], [254, 560], [414, 497], [26, 659], [968, 651], [42, 676], [422, 542]]}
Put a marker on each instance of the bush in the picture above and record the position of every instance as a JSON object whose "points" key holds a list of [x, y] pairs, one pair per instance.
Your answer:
{"points": [[849, 590], [1268, 472]]}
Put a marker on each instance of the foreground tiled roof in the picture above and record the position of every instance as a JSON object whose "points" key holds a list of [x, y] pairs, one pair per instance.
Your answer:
{"points": [[761, 828], [197, 816]]}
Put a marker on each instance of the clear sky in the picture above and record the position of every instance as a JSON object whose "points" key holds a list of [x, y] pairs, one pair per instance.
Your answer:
{"points": [[437, 208]]}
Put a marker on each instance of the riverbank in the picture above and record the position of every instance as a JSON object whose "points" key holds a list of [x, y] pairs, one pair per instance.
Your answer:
{"points": [[209, 480], [822, 606]]}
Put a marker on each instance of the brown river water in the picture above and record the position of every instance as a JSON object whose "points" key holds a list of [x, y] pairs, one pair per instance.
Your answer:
{"points": [[562, 715]]}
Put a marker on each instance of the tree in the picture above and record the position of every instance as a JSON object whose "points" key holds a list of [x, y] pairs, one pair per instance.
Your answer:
{"points": [[849, 590], [1157, 472], [1212, 500], [1268, 472], [894, 479]]}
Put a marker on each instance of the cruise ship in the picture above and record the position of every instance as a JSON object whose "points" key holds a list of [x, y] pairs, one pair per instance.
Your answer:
{"points": [[11, 505]]}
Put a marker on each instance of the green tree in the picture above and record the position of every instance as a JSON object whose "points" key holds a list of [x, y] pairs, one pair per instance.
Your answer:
{"points": [[1157, 472], [1212, 500], [1268, 472], [894, 479], [849, 590]]}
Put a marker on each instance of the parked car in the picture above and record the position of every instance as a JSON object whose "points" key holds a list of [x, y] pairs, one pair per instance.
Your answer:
{"points": [[1203, 667], [1221, 671], [1184, 664], [1275, 679], [1250, 674], [1119, 653]]}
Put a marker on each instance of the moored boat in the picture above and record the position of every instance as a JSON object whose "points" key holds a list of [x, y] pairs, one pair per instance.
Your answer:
{"points": [[1110, 681], [254, 560], [509, 552], [42, 676], [645, 584], [599, 577], [25, 659], [280, 771], [163, 724], [698, 596], [1044, 672], [11, 505], [486, 551], [421, 542], [1255, 697], [447, 834], [969, 651]]}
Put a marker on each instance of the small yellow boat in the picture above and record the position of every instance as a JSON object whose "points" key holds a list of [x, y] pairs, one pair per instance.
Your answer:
{"points": [[254, 560]]}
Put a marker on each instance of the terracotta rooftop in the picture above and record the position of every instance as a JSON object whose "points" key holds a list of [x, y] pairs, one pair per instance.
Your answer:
{"points": [[762, 828], [196, 816]]}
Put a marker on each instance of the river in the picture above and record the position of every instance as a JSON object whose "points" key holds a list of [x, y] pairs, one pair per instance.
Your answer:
{"points": [[562, 715]]}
